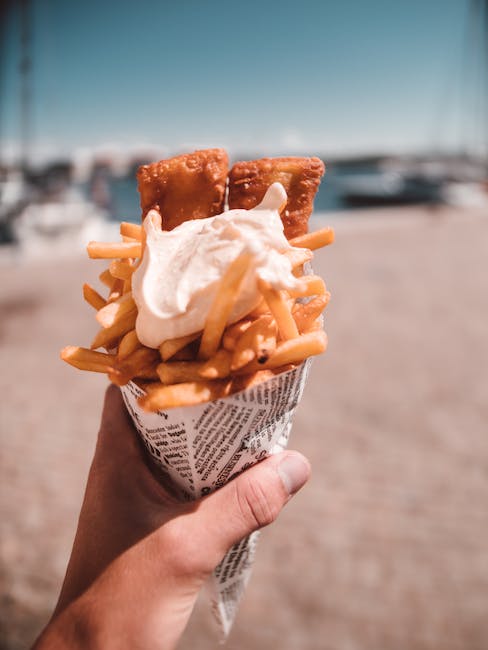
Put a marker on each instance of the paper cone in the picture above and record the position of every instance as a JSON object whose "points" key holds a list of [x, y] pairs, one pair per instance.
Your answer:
{"points": [[202, 447]]}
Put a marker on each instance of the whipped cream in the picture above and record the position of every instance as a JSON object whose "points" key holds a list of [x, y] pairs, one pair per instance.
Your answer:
{"points": [[178, 277]]}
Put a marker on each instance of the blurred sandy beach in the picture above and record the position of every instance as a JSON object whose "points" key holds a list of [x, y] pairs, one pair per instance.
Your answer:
{"points": [[386, 547]]}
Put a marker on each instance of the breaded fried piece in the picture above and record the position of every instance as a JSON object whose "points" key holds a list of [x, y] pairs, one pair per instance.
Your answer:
{"points": [[191, 186], [249, 180]]}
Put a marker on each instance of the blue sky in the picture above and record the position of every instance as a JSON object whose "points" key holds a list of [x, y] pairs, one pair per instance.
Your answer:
{"points": [[315, 76]]}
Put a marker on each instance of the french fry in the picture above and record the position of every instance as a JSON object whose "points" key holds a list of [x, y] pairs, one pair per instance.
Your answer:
{"points": [[316, 326], [277, 304], [113, 311], [218, 366], [85, 359], [306, 313], [241, 382], [122, 269], [177, 372], [108, 337], [314, 240], [149, 373], [101, 250], [310, 285], [296, 350], [257, 341], [290, 302], [222, 305], [106, 278], [128, 229], [242, 357], [138, 261], [161, 397], [116, 291], [92, 297], [128, 344], [169, 348], [137, 364], [293, 351], [265, 346], [185, 354], [259, 310], [233, 332], [298, 257], [288, 366], [115, 378]]}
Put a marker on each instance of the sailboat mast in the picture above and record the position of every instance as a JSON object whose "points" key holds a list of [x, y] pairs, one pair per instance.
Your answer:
{"points": [[484, 18], [25, 84]]}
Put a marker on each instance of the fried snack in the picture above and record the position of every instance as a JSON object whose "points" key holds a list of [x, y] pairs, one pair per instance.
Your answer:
{"points": [[122, 269], [257, 342], [191, 186], [178, 372], [233, 332], [142, 362], [88, 359], [133, 230], [305, 314], [106, 278], [218, 366], [92, 297], [128, 344], [108, 337], [248, 182], [298, 257], [160, 396], [295, 350], [220, 359], [279, 308], [313, 240], [222, 306], [112, 312], [311, 285], [101, 250], [116, 290], [170, 347]]}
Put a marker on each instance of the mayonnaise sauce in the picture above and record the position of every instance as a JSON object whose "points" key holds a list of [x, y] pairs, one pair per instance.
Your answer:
{"points": [[178, 277]]}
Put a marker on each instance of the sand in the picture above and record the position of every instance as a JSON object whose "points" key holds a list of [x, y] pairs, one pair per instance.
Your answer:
{"points": [[386, 547]]}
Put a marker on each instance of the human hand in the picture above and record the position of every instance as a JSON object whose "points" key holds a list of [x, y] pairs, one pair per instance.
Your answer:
{"points": [[140, 556]]}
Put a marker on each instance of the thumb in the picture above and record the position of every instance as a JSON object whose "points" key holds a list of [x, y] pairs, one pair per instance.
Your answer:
{"points": [[252, 500]]}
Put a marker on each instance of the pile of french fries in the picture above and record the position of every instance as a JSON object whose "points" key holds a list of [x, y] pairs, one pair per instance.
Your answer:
{"points": [[282, 331]]}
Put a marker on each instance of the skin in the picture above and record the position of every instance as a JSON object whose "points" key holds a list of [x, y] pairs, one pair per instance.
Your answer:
{"points": [[140, 556]]}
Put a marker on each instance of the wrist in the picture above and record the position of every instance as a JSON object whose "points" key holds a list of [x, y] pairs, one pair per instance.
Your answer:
{"points": [[74, 629]]}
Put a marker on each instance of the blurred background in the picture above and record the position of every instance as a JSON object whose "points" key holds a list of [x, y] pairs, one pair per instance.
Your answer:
{"points": [[386, 547]]}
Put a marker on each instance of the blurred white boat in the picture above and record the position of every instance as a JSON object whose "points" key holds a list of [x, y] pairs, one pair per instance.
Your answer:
{"points": [[468, 195], [390, 188], [64, 225], [13, 197]]}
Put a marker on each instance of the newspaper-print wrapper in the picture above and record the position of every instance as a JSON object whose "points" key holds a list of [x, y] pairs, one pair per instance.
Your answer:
{"points": [[200, 448]]}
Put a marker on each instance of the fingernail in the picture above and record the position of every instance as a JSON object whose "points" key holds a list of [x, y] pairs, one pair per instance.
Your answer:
{"points": [[294, 471]]}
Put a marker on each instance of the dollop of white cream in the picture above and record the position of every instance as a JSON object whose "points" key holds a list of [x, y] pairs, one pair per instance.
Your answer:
{"points": [[179, 274]]}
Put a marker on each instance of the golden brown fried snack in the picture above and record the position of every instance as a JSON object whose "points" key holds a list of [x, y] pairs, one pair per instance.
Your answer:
{"points": [[191, 186], [249, 180]]}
